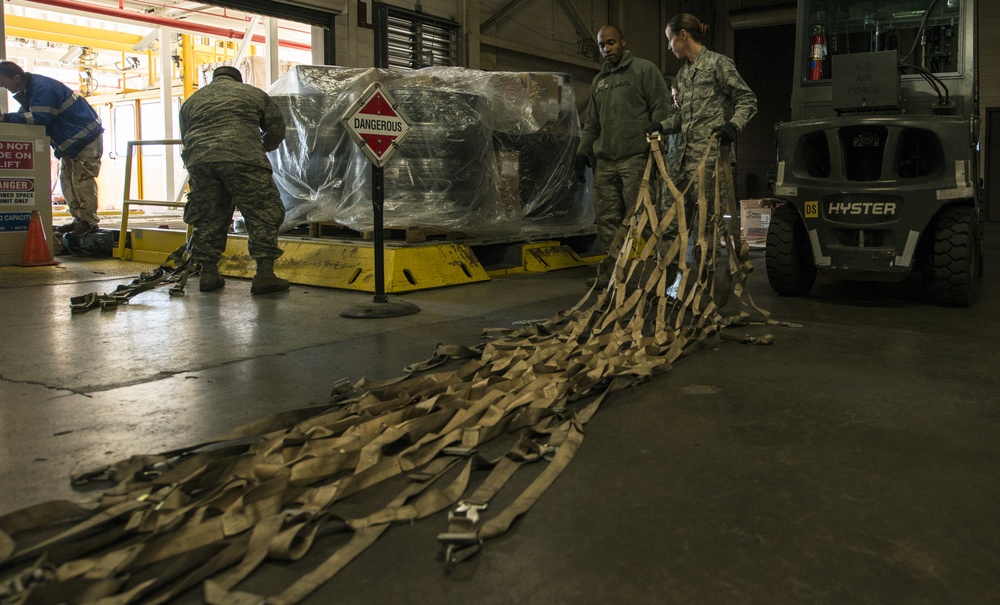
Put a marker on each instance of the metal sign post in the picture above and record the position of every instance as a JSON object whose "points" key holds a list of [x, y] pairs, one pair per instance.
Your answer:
{"points": [[377, 127]]}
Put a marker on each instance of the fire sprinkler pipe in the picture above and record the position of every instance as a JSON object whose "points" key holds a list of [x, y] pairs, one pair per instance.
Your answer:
{"points": [[216, 32]]}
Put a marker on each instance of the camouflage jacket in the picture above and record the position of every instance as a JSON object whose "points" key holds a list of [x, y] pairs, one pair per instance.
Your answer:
{"points": [[623, 101], [228, 121], [712, 93]]}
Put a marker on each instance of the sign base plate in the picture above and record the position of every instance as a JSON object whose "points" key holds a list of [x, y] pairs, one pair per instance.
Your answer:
{"points": [[375, 310]]}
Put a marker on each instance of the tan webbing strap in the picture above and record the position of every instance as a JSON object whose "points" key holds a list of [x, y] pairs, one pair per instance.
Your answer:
{"points": [[95, 521], [462, 539], [501, 523], [218, 591], [565, 452], [230, 555], [428, 501], [215, 511], [138, 585], [34, 517]]}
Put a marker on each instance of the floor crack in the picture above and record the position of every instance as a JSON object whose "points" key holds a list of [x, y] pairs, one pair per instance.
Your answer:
{"points": [[43, 385]]}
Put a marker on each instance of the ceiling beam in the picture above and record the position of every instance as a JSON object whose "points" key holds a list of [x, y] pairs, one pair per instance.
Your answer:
{"points": [[499, 14], [582, 30], [65, 33], [522, 49]]}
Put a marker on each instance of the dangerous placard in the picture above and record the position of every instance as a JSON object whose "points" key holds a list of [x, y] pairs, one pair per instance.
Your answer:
{"points": [[376, 124]]}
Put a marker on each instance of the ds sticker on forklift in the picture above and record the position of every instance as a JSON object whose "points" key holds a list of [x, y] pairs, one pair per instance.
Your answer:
{"points": [[812, 209]]}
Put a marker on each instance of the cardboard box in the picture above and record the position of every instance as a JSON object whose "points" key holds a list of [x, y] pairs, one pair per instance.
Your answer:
{"points": [[509, 169], [542, 87], [755, 216], [545, 94]]}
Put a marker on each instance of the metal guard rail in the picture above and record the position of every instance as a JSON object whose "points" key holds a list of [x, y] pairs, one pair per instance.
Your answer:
{"points": [[127, 201]]}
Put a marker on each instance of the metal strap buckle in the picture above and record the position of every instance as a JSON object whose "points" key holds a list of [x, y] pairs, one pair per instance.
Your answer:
{"points": [[458, 547], [466, 511]]}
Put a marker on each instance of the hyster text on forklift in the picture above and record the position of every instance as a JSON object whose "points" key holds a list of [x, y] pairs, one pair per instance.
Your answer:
{"points": [[878, 171]]}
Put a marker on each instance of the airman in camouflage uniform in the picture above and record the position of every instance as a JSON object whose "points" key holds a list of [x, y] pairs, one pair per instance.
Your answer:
{"points": [[625, 97], [227, 127], [714, 98]]}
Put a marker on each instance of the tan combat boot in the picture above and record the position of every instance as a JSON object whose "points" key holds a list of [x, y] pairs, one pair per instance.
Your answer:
{"points": [[210, 279], [265, 281]]}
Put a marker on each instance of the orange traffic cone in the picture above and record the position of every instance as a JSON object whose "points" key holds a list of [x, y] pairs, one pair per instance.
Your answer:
{"points": [[36, 249]]}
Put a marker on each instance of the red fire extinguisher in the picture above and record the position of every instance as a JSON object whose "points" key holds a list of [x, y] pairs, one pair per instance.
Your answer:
{"points": [[817, 54]]}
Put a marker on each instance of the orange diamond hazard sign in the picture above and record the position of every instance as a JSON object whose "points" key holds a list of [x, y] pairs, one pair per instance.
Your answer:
{"points": [[375, 124]]}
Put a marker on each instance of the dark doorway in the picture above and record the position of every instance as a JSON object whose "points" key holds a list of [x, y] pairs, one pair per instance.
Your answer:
{"points": [[765, 57], [992, 162]]}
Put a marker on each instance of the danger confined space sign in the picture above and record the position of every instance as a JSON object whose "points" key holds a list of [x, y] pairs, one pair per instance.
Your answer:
{"points": [[17, 191]]}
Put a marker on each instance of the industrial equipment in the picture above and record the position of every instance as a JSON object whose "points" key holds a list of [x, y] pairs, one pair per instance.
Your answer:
{"points": [[878, 171]]}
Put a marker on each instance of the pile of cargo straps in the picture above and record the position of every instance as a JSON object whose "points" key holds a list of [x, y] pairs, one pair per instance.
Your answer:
{"points": [[213, 513], [176, 270]]}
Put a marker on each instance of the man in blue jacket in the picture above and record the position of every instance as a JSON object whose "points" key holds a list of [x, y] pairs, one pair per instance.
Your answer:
{"points": [[74, 130]]}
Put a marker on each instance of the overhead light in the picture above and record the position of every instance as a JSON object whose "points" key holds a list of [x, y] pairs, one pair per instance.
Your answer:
{"points": [[146, 43], [71, 55]]}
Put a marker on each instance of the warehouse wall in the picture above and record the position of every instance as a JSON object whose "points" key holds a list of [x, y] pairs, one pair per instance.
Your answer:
{"points": [[542, 28], [538, 35]]}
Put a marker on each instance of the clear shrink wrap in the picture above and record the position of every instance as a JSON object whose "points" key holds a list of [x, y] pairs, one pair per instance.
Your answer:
{"points": [[489, 154]]}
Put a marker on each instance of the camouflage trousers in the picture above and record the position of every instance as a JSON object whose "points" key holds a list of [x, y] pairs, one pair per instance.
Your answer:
{"points": [[216, 190], [616, 187], [681, 180], [78, 181]]}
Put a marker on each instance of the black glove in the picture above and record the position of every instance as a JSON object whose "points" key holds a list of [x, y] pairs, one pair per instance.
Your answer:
{"points": [[654, 127], [582, 163], [727, 133]]}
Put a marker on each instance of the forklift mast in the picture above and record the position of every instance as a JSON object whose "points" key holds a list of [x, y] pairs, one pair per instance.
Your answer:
{"points": [[877, 173], [932, 40]]}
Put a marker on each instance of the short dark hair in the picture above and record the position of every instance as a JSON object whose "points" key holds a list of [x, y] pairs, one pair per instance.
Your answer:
{"points": [[9, 69], [617, 30], [227, 70]]}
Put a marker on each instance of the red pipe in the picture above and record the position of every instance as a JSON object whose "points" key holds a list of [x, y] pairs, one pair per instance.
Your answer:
{"points": [[216, 32]]}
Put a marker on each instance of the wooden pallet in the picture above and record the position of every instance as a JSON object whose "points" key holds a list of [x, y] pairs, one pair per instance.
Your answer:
{"points": [[330, 230], [411, 235]]}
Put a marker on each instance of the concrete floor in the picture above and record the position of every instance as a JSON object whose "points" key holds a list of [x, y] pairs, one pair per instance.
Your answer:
{"points": [[857, 460]]}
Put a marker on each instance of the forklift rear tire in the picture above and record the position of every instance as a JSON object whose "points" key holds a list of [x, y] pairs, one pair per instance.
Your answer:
{"points": [[957, 257], [788, 257]]}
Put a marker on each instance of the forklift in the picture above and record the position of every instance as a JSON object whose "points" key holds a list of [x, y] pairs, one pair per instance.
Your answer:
{"points": [[878, 170]]}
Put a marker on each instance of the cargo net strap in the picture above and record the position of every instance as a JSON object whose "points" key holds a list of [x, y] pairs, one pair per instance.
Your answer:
{"points": [[175, 270], [481, 440], [678, 263]]}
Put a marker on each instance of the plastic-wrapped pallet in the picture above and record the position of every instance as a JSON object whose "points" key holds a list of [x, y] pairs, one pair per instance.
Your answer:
{"points": [[489, 154]]}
